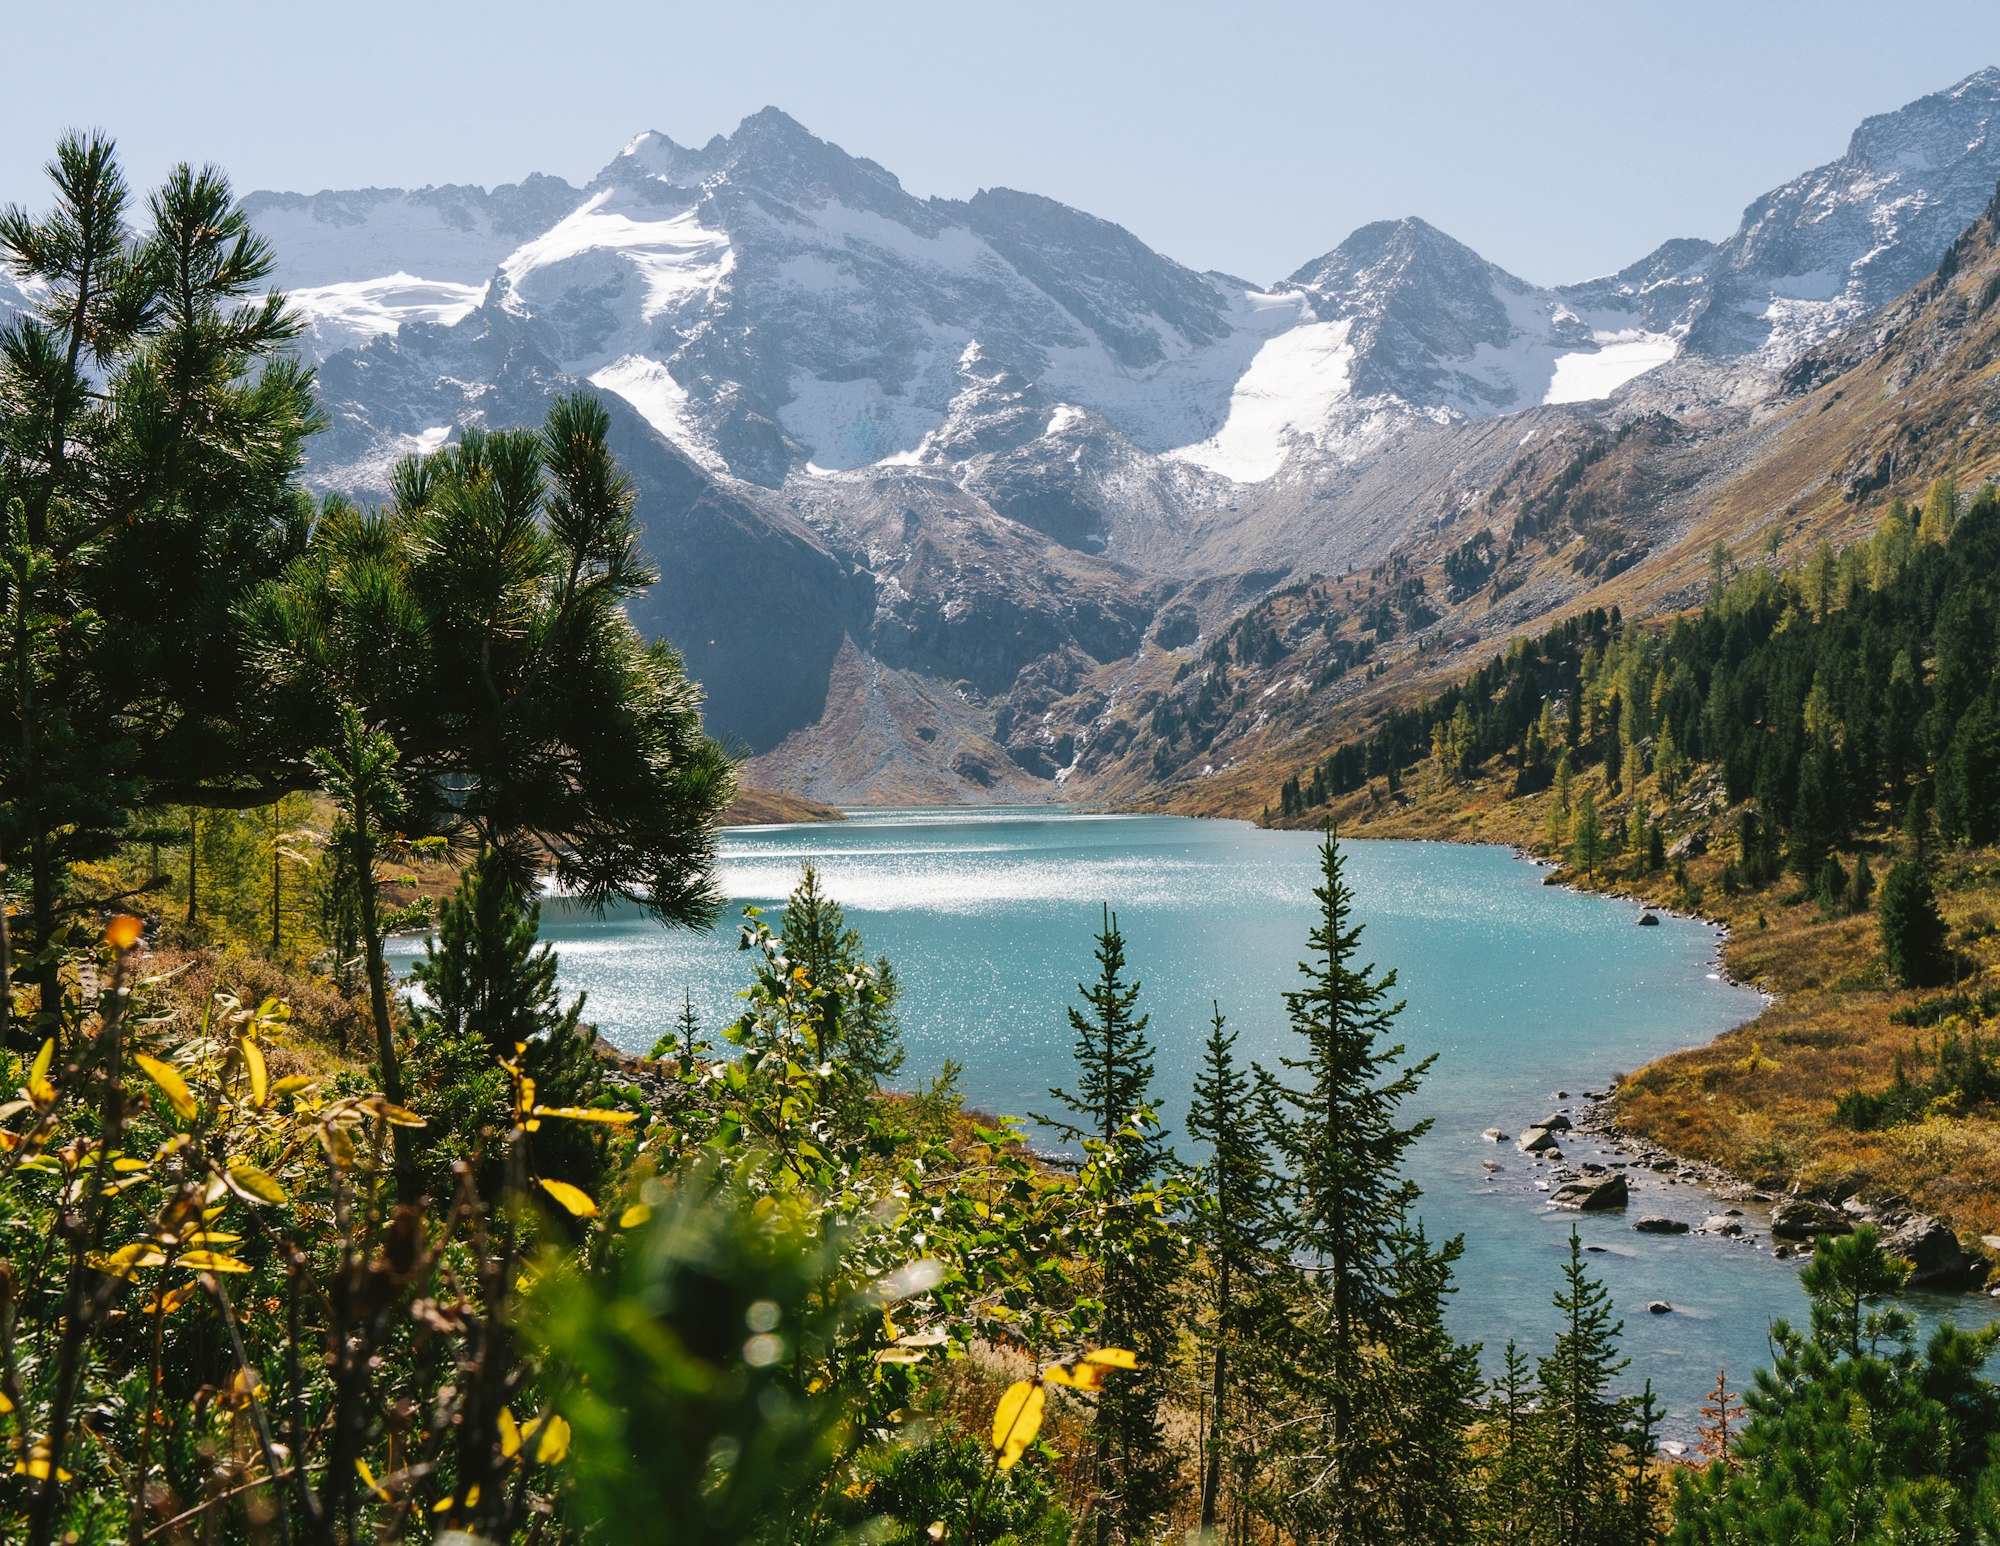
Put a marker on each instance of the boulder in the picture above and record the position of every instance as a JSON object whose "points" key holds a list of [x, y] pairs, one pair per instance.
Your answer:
{"points": [[1494, 1135], [1537, 1140], [1660, 1307], [1591, 1194], [1492, 1165], [1930, 1248], [1693, 846], [1648, 921], [1801, 1218], [1722, 1224], [1556, 1123], [1660, 1224]]}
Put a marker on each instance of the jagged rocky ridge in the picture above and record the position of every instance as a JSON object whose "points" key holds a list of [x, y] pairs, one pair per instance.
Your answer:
{"points": [[940, 488]]}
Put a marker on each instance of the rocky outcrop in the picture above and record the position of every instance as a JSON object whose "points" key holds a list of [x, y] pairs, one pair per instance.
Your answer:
{"points": [[1592, 1193], [1936, 1259], [1660, 1224], [1801, 1218]]}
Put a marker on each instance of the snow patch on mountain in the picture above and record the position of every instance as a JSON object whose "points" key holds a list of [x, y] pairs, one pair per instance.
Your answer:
{"points": [[1590, 375], [662, 402], [1284, 399], [354, 314]]}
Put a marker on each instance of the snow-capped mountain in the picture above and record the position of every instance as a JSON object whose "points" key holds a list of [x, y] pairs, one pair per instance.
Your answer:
{"points": [[987, 452]]}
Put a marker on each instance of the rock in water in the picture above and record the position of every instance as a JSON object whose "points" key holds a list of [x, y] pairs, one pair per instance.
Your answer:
{"points": [[1537, 1140], [1494, 1135], [1660, 1307], [1722, 1224], [1801, 1218], [1558, 1123], [1660, 1224], [1591, 1194], [1648, 921], [1930, 1248]]}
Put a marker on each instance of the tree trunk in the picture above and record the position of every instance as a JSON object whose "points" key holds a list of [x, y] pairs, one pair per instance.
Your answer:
{"points": [[378, 1000]]}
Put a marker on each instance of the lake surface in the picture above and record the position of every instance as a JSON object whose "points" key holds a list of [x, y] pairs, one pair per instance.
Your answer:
{"points": [[1520, 989]]}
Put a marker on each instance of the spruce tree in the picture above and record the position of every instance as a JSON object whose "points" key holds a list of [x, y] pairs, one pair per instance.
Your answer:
{"points": [[1235, 1230], [1510, 1490], [1587, 1427], [1913, 930], [854, 1021], [491, 995], [1138, 1262], [1365, 1330]]}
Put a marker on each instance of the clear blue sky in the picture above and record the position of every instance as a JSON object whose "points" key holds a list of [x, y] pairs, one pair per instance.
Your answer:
{"points": [[1560, 139]]}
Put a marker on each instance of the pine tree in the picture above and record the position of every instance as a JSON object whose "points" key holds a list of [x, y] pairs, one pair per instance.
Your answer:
{"points": [[854, 1004], [1114, 1056], [1235, 1231], [1366, 1329], [1510, 1486], [1913, 930], [1137, 1259], [491, 995], [1860, 886], [1587, 1426]]}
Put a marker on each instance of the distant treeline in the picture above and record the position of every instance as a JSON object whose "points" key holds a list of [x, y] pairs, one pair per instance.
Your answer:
{"points": [[1855, 685]]}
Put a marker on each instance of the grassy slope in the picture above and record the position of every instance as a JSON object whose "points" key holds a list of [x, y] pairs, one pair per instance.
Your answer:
{"points": [[761, 807]]}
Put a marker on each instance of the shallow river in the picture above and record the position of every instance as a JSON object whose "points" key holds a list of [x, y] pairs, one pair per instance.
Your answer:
{"points": [[1521, 990]]}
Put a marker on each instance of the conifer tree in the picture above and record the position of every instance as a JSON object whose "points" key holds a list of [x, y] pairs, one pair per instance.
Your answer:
{"points": [[1366, 1328], [1586, 835], [1138, 1263], [1235, 1232], [490, 989], [1913, 930], [1860, 886], [854, 1004], [1510, 1479], [1587, 1426]]}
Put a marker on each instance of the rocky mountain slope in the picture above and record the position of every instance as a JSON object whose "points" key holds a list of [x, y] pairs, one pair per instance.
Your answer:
{"points": [[1629, 517], [942, 490]]}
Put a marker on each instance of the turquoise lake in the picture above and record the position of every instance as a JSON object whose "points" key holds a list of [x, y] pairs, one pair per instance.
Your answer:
{"points": [[1520, 989]]}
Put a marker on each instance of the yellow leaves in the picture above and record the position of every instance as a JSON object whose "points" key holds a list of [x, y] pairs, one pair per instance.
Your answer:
{"points": [[588, 1114], [259, 1076], [368, 1480], [40, 1091], [1016, 1421], [291, 1084], [35, 1464], [171, 1085], [123, 931], [165, 1303], [129, 1259], [550, 1438], [573, 1198], [551, 1441], [208, 1261], [1018, 1417], [634, 1216], [253, 1184]]}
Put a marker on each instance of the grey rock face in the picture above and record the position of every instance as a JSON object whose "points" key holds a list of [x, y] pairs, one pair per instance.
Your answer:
{"points": [[1931, 1249]]}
